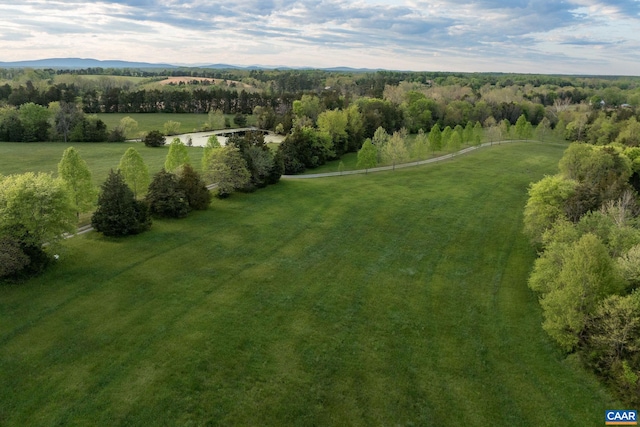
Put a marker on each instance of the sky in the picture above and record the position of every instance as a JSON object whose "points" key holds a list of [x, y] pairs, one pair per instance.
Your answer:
{"points": [[538, 36]]}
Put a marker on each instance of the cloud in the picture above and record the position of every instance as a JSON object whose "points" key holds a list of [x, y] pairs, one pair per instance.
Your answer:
{"points": [[407, 32]]}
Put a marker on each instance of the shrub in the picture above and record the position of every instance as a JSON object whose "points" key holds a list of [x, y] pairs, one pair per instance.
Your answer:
{"points": [[154, 139], [116, 135], [12, 257]]}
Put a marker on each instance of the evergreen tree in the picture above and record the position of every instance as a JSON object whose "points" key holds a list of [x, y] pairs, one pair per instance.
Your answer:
{"points": [[166, 197], [154, 139], [198, 196], [118, 212], [277, 169]]}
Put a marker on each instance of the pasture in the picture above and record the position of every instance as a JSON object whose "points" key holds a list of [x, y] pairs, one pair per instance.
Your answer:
{"points": [[100, 157], [155, 121], [396, 298]]}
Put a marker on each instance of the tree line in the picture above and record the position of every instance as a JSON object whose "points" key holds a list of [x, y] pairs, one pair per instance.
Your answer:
{"points": [[38, 209], [585, 223]]}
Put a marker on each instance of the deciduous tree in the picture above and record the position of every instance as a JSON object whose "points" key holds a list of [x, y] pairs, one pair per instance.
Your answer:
{"points": [[523, 129], [455, 142], [134, 172], [76, 176], [586, 277], [395, 150], [35, 121], [545, 205], [177, 156], [435, 138], [36, 206], [171, 127], [226, 167], [128, 126], [334, 123], [367, 156]]}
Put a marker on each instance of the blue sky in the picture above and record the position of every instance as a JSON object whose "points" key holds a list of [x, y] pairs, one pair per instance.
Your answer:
{"points": [[538, 36]]}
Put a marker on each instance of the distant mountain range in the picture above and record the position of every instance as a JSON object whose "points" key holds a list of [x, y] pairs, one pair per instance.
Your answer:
{"points": [[84, 63]]}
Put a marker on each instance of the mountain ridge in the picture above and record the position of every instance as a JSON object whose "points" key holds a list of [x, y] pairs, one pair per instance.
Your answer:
{"points": [[83, 63]]}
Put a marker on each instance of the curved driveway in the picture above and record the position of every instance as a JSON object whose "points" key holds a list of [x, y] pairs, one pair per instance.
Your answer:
{"points": [[400, 166]]}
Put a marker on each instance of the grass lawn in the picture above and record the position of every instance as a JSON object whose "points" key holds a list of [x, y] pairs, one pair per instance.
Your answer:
{"points": [[155, 121], [100, 157], [395, 298]]}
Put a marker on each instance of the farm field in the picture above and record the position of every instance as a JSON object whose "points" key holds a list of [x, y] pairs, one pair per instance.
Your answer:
{"points": [[395, 298], [100, 157]]}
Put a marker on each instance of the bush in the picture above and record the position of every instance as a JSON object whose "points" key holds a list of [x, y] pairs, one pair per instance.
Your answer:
{"points": [[20, 260], [12, 257], [116, 135], [118, 212], [154, 139]]}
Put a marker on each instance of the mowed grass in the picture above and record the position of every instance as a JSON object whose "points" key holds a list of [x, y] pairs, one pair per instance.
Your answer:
{"points": [[394, 299], [100, 157], [189, 122]]}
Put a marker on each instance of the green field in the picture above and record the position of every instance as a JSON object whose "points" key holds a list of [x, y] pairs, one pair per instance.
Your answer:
{"points": [[155, 121], [100, 157], [396, 299]]}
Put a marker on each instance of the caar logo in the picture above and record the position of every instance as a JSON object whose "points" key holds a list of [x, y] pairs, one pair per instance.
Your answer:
{"points": [[621, 418]]}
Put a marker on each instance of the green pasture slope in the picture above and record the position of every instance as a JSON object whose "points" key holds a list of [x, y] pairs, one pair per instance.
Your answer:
{"points": [[394, 299], [22, 157]]}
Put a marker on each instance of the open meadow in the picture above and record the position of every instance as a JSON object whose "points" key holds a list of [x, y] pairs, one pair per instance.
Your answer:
{"points": [[155, 121], [17, 157], [395, 298]]}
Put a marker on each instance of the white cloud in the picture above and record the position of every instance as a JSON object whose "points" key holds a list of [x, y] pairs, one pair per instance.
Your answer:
{"points": [[482, 35]]}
